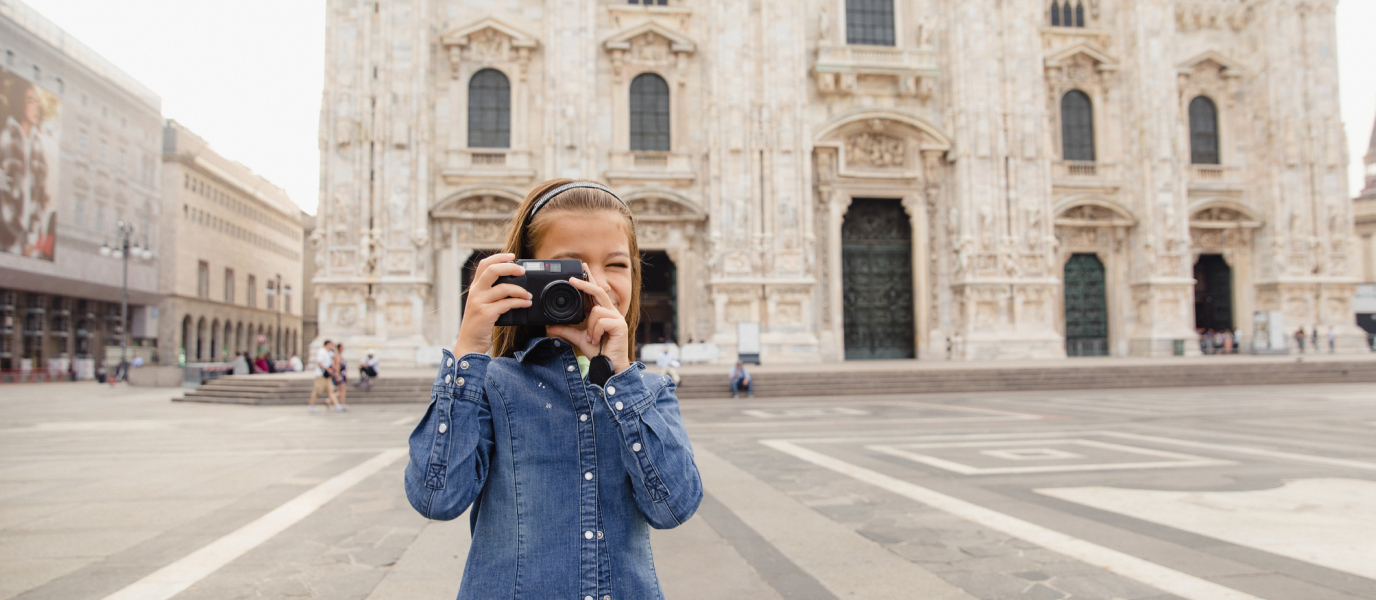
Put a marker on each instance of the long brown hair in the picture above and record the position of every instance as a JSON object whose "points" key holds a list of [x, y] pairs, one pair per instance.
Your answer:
{"points": [[523, 237]]}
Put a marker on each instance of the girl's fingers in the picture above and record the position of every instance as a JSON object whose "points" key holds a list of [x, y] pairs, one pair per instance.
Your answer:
{"points": [[599, 295], [500, 307], [489, 274], [505, 290]]}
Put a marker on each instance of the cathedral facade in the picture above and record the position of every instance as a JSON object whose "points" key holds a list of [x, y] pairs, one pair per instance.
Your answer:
{"points": [[931, 179]]}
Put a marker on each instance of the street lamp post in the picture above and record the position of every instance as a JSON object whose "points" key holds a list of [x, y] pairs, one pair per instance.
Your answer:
{"points": [[121, 251]]}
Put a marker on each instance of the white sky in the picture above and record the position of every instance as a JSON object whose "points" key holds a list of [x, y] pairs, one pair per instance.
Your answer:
{"points": [[247, 75]]}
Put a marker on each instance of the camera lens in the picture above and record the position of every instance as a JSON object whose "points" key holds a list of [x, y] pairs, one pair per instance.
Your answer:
{"points": [[562, 303]]}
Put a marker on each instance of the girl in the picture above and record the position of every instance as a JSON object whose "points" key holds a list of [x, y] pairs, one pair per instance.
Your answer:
{"points": [[565, 476]]}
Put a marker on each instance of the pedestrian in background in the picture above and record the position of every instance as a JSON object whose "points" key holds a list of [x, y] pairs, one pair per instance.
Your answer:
{"points": [[1299, 338], [1332, 340], [341, 379], [324, 376], [260, 365], [295, 363], [1316, 339], [367, 370], [668, 365], [241, 365], [740, 378]]}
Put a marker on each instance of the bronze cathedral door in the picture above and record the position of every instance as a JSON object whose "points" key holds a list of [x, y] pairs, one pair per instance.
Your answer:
{"points": [[877, 280]]}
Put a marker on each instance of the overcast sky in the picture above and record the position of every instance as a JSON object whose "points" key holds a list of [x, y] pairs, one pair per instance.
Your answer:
{"points": [[247, 75]]}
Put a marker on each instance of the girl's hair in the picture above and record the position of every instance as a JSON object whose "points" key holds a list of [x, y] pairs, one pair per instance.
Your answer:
{"points": [[524, 237]]}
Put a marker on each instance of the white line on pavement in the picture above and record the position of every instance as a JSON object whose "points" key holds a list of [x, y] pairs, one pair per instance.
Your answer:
{"points": [[409, 420], [1163, 578], [1323, 460], [178, 576]]}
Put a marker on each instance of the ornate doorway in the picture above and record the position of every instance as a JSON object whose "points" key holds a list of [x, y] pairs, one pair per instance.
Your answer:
{"points": [[1213, 293], [1086, 307], [658, 299], [877, 280]]}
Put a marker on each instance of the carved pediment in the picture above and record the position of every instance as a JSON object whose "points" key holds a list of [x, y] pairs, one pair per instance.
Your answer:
{"points": [[657, 204], [1210, 63], [1083, 53], [1223, 214], [649, 34], [494, 33], [479, 206], [1094, 213], [1218, 213]]}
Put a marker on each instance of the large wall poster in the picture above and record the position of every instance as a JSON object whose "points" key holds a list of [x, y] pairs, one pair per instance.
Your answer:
{"points": [[29, 160]]}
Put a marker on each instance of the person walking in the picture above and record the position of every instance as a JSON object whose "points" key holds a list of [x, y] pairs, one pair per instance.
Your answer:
{"points": [[668, 365], [1315, 338], [324, 376], [341, 379], [1299, 338], [1332, 340], [740, 378]]}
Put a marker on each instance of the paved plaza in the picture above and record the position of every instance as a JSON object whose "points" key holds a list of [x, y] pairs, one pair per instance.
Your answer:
{"points": [[1201, 493]]}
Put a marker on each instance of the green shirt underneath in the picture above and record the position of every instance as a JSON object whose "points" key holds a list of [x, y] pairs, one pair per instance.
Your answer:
{"points": [[583, 366]]}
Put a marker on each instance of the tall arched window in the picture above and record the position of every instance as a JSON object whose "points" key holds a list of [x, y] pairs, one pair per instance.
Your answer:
{"points": [[1065, 15], [489, 110], [1203, 131], [1077, 126], [869, 22], [649, 113]]}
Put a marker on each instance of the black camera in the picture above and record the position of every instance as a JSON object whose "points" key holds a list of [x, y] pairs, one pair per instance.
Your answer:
{"points": [[554, 301]]}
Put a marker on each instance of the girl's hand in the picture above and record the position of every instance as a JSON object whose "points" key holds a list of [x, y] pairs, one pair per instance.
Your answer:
{"points": [[486, 302], [604, 321]]}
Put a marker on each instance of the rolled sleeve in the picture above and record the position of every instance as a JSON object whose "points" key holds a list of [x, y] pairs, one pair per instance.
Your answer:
{"points": [[655, 447], [451, 446]]}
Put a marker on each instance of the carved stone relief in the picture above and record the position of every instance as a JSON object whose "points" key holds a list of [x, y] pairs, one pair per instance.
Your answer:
{"points": [[875, 150]]}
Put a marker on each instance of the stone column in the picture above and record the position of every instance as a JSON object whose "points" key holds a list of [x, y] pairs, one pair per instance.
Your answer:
{"points": [[916, 207]]}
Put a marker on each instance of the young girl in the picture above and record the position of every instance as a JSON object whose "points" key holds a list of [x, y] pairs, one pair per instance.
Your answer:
{"points": [[565, 476]]}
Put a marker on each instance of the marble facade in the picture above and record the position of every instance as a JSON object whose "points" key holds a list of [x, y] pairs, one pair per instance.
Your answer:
{"points": [[777, 124]]}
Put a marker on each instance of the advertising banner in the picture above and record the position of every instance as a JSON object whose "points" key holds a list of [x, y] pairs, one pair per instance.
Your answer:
{"points": [[29, 160]]}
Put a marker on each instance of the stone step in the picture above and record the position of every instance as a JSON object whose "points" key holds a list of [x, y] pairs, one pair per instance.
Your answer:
{"points": [[848, 379]]}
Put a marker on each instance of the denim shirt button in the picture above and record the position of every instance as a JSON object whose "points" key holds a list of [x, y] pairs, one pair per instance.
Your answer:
{"points": [[589, 598], [446, 379], [449, 362], [599, 535], [587, 535], [618, 406], [463, 364], [611, 390], [635, 447], [588, 476], [459, 382], [443, 428], [570, 369], [607, 597], [583, 417], [557, 344]]}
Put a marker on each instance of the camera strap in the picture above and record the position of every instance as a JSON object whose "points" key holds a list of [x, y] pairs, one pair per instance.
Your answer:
{"points": [[600, 367]]}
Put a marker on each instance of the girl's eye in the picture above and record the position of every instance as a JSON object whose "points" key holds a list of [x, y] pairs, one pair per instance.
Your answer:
{"points": [[618, 265]]}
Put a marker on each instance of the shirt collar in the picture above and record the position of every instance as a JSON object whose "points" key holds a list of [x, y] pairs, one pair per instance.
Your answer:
{"points": [[532, 345]]}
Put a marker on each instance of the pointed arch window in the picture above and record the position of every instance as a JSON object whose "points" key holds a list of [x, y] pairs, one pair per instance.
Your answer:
{"points": [[489, 110], [1203, 131], [869, 22], [649, 113], [1077, 126], [1066, 14]]}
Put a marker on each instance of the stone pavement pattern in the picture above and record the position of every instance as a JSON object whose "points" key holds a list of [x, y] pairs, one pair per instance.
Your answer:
{"points": [[1260, 492]]}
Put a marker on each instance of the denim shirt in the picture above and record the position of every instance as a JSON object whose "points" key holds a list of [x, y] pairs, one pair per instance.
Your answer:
{"points": [[565, 478]]}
